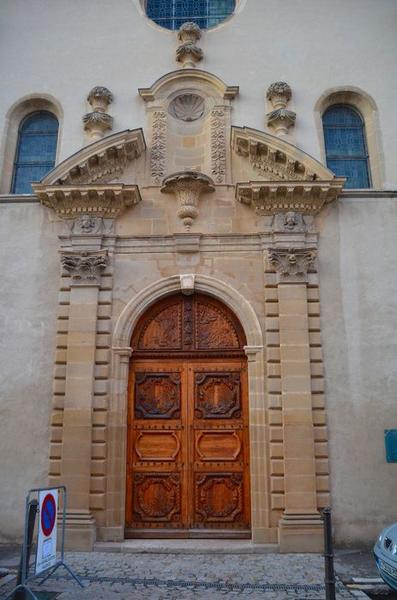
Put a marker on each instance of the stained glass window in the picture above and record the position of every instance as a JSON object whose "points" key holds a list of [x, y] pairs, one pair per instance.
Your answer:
{"points": [[36, 149], [345, 145], [173, 13]]}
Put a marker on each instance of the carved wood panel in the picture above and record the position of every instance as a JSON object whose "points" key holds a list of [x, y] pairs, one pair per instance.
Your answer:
{"points": [[157, 395], [217, 395], [181, 324], [188, 450]]}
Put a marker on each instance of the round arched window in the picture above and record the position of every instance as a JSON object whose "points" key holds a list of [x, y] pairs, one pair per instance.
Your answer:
{"points": [[173, 13]]}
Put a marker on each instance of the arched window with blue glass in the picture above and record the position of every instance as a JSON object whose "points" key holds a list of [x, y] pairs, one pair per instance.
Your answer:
{"points": [[36, 150], [345, 145], [173, 13]]}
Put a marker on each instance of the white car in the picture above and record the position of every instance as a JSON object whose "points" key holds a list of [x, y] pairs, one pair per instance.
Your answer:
{"points": [[385, 552]]}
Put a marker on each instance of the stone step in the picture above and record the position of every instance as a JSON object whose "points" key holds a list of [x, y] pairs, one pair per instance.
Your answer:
{"points": [[192, 546]]}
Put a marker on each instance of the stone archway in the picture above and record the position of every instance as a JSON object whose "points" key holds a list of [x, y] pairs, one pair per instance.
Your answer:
{"points": [[117, 433]]}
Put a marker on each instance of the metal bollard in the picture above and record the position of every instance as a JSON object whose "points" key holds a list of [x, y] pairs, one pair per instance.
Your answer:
{"points": [[33, 507], [328, 555]]}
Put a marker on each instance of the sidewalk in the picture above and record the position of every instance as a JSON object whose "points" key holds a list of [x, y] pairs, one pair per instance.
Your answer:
{"points": [[148, 575]]}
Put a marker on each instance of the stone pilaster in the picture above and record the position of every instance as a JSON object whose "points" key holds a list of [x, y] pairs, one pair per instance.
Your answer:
{"points": [[85, 269], [300, 527]]}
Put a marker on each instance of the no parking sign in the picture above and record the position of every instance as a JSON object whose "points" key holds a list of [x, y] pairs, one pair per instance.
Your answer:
{"points": [[46, 555]]}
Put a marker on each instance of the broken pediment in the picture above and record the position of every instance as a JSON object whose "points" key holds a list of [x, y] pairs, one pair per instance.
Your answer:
{"points": [[257, 155], [100, 162]]}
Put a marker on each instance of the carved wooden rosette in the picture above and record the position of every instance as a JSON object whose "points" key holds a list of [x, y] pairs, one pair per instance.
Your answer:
{"points": [[188, 187], [292, 264], [85, 268]]}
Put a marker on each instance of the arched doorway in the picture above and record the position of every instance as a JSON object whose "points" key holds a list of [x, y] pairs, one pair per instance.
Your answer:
{"points": [[188, 447]]}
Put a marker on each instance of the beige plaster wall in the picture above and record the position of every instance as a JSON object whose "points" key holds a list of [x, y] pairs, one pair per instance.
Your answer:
{"points": [[358, 293], [28, 301], [314, 46]]}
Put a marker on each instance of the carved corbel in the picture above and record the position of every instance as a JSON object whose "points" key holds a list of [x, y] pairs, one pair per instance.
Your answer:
{"points": [[280, 118], [85, 268], [188, 53], [97, 122], [188, 187], [292, 264]]}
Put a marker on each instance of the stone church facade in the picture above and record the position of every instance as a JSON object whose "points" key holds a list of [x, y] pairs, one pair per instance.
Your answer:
{"points": [[197, 313]]}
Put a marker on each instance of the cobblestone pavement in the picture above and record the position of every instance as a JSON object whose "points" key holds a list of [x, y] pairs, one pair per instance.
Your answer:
{"points": [[118, 576]]}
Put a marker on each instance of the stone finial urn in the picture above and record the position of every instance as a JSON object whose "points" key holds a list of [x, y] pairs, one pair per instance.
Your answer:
{"points": [[97, 122], [280, 118], [188, 187], [188, 53]]}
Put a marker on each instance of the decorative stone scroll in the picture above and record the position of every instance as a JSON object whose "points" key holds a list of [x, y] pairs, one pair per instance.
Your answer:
{"points": [[292, 264], [97, 122], [100, 162], [187, 186], [107, 201], [158, 148], [269, 198], [218, 144], [280, 119], [188, 53], [85, 267]]}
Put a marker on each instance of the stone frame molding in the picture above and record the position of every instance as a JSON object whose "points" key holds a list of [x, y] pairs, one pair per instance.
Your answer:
{"points": [[117, 437], [366, 106], [18, 111]]}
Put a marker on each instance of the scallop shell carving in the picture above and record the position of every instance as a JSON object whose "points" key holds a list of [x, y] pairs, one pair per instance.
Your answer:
{"points": [[187, 107]]}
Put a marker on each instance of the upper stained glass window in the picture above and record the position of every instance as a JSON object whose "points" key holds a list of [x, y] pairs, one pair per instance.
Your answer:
{"points": [[345, 145], [173, 13], [36, 149]]}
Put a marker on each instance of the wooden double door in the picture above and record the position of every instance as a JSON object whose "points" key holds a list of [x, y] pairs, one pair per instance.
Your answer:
{"points": [[188, 458]]}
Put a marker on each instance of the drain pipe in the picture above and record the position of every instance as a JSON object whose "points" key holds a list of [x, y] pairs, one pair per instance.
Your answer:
{"points": [[329, 577]]}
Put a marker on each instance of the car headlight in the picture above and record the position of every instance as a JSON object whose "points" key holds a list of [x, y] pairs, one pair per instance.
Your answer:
{"points": [[379, 542], [394, 549]]}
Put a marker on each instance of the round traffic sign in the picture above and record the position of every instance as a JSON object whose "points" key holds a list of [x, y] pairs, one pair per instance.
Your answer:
{"points": [[48, 514]]}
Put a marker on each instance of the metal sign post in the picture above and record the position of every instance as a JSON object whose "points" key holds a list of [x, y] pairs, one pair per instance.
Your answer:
{"points": [[46, 562]]}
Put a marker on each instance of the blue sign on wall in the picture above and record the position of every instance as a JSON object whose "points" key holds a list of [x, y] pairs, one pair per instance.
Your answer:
{"points": [[391, 445]]}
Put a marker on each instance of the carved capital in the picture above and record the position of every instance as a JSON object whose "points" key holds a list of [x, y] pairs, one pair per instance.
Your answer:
{"points": [[85, 268], [188, 187], [281, 119], [97, 123], [292, 264]]}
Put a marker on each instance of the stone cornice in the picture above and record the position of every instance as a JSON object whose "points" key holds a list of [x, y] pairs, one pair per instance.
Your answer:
{"points": [[275, 159], [306, 197], [159, 87], [99, 162], [107, 201]]}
